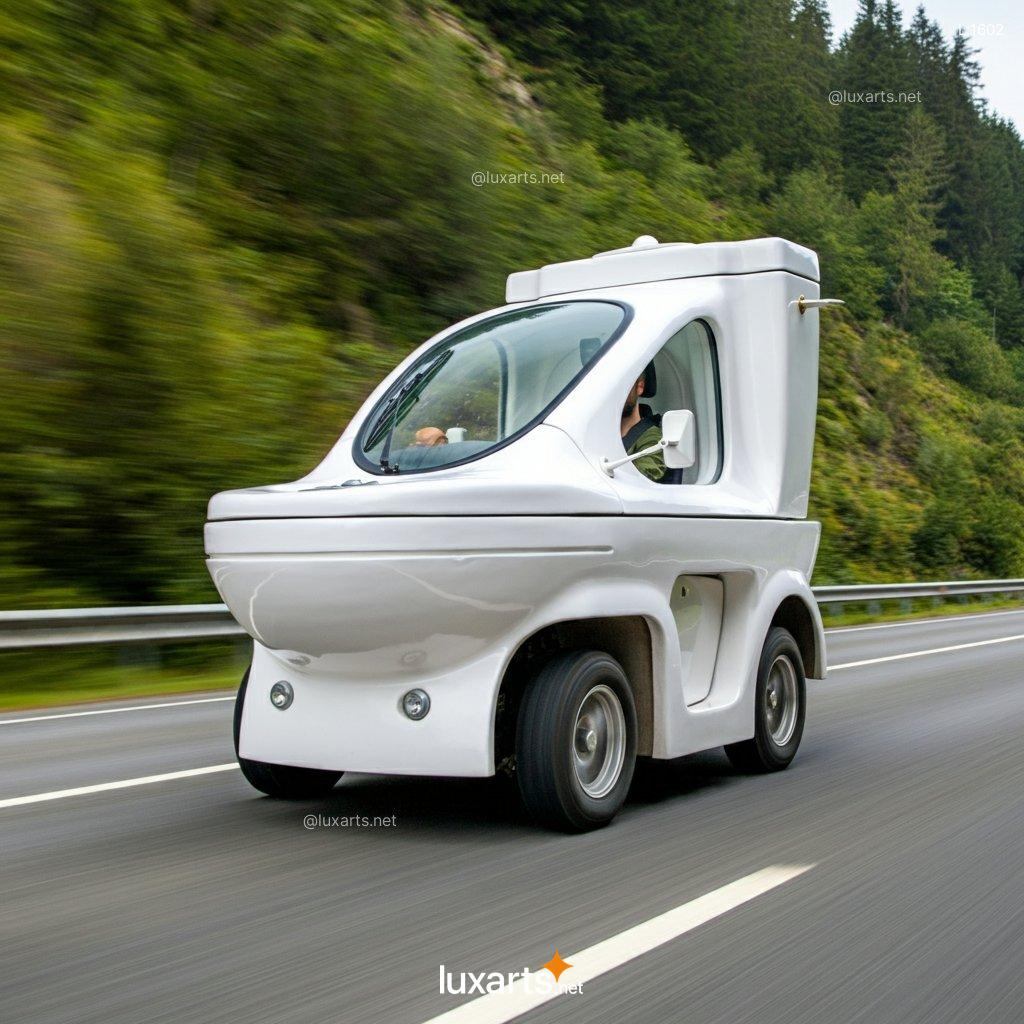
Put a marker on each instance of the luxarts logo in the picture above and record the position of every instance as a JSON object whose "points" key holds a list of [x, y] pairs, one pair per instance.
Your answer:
{"points": [[545, 981]]}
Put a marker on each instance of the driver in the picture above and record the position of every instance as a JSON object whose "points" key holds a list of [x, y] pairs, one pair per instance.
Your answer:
{"points": [[641, 429]]}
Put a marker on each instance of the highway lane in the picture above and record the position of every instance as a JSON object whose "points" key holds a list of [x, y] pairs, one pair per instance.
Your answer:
{"points": [[54, 749], [196, 900], [892, 638], [57, 752]]}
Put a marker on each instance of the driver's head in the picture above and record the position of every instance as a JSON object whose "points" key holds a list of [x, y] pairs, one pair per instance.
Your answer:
{"points": [[633, 397], [429, 437]]}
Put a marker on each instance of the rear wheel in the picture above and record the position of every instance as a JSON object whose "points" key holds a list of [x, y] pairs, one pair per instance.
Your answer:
{"points": [[780, 701], [286, 782], [576, 741]]}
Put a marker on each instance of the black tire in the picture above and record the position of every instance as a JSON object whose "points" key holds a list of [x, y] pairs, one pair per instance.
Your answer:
{"points": [[283, 781], [764, 752], [546, 741]]}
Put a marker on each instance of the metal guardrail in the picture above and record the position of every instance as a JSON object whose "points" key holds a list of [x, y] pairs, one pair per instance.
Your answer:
{"points": [[156, 624], [166, 623], [899, 591]]}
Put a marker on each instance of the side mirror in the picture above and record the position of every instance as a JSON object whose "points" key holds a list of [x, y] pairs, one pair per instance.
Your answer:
{"points": [[679, 437], [678, 443]]}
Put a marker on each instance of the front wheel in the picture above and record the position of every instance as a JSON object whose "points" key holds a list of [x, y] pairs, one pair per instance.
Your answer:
{"points": [[284, 781], [576, 741], [780, 700]]}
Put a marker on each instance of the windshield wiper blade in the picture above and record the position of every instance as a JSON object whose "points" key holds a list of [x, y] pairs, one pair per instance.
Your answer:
{"points": [[419, 380], [385, 452]]}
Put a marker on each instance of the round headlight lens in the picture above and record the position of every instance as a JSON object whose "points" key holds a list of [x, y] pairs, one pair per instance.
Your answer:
{"points": [[281, 695], [416, 704]]}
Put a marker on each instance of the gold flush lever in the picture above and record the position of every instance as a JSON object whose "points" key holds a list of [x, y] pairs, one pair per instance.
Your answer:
{"points": [[804, 304]]}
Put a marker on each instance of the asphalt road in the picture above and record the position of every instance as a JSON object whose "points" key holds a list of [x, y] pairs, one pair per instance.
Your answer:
{"points": [[195, 899]]}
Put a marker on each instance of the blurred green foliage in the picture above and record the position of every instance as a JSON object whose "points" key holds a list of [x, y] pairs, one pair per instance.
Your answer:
{"points": [[221, 221]]}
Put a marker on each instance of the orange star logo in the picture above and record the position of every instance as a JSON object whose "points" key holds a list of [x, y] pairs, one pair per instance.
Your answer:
{"points": [[556, 965]]}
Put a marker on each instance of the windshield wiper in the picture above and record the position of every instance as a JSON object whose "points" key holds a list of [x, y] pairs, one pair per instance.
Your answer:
{"points": [[418, 381], [385, 452]]}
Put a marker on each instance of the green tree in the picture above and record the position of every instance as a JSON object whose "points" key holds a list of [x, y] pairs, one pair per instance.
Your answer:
{"points": [[873, 58], [814, 211], [918, 173]]}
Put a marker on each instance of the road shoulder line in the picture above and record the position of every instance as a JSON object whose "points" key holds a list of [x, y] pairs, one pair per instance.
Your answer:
{"points": [[921, 654], [104, 787], [115, 711]]}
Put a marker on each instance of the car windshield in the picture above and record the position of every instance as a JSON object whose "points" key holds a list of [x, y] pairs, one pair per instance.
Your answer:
{"points": [[486, 384]]}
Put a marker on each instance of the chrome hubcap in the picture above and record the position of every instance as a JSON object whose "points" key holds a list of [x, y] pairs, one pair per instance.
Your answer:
{"points": [[599, 741], [781, 697]]}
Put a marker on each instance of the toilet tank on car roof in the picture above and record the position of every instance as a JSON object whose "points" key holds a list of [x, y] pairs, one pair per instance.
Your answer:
{"points": [[748, 294], [648, 260]]}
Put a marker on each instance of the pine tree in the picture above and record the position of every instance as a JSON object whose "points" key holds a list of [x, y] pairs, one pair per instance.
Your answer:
{"points": [[875, 60], [957, 111], [788, 70], [919, 173]]}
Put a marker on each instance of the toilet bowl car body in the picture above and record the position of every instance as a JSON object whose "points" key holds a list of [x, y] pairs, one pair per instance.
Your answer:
{"points": [[471, 540]]}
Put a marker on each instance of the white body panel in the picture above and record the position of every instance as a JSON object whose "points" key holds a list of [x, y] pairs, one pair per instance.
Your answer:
{"points": [[356, 594], [698, 603], [355, 612]]}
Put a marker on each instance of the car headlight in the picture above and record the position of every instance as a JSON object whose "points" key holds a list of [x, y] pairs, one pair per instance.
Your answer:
{"points": [[282, 695], [416, 704]]}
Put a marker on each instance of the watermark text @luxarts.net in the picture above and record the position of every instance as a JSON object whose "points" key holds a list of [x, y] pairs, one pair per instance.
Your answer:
{"points": [[481, 178], [839, 96], [315, 821]]}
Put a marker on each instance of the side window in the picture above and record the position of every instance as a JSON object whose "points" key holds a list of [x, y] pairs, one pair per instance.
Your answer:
{"points": [[685, 376]]}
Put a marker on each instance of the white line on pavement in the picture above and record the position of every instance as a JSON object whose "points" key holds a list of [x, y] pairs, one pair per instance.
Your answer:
{"points": [[921, 654], [518, 998], [965, 617], [103, 787], [115, 711]]}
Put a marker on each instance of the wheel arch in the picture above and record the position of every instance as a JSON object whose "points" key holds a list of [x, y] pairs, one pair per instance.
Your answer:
{"points": [[803, 620], [627, 638]]}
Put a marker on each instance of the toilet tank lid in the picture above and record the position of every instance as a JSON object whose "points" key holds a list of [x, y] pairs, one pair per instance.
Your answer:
{"points": [[649, 260]]}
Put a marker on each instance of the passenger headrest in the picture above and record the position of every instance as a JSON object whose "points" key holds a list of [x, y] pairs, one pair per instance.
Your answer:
{"points": [[650, 381]]}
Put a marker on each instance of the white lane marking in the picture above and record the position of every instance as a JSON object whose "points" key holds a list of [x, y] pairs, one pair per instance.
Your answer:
{"points": [[103, 787], [921, 654], [512, 1001], [114, 711], [966, 617]]}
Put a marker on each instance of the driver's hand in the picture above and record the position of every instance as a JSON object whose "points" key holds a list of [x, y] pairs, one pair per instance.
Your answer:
{"points": [[428, 437]]}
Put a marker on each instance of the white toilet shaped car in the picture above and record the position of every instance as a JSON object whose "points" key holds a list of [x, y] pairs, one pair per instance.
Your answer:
{"points": [[474, 579]]}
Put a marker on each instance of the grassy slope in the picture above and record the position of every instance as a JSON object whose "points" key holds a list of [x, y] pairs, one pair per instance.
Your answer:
{"points": [[907, 464]]}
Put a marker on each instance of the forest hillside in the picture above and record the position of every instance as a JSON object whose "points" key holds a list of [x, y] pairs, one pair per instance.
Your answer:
{"points": [[221, 222]]}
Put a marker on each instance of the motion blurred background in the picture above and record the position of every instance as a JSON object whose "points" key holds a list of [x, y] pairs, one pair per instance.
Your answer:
{"points": [[221, 221]]}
